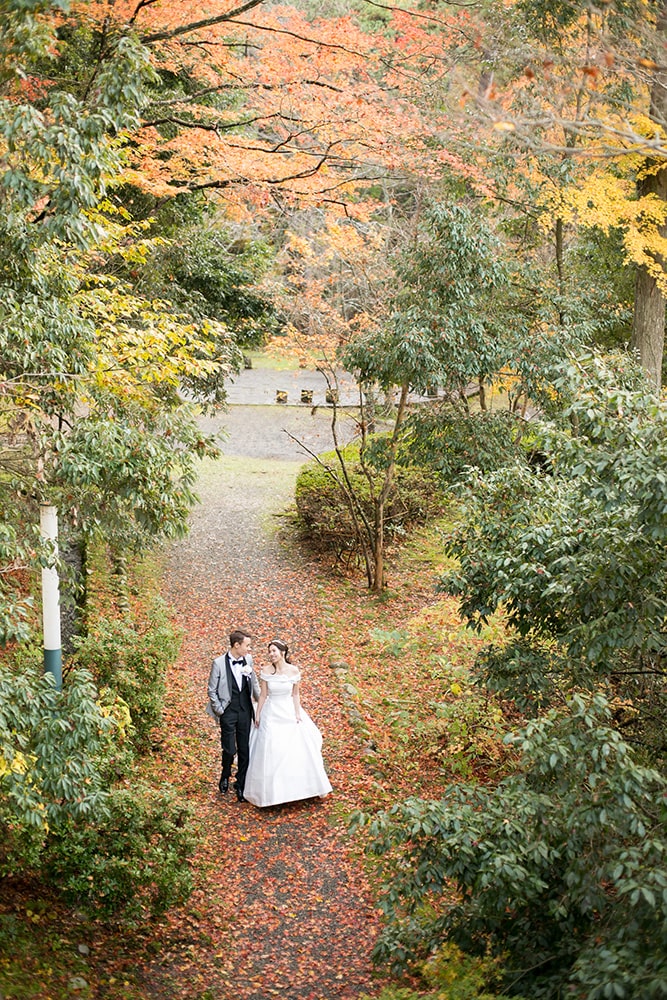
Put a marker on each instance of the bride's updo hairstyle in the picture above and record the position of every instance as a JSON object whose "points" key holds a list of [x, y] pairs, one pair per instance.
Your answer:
{"points": [[283, 647]]}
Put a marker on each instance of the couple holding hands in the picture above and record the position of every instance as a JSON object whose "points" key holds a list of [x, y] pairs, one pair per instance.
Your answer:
{"points": [[278, 746]]}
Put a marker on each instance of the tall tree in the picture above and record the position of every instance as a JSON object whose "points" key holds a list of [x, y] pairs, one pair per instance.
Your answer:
{"points": [[578, 93], [651, 288], [256, 102], [450, 323], [90, 411]]}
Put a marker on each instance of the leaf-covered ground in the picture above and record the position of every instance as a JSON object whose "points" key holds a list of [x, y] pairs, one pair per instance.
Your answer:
{"points": [[284, 904]]}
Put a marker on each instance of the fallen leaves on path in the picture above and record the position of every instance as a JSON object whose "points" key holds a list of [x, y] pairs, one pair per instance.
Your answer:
{"points": [[282, 905]]}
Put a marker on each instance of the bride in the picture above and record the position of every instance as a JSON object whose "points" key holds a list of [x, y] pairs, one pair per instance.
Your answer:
{"points": [[285, 744]]}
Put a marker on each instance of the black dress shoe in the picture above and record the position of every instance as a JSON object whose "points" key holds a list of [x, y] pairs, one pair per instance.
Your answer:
{"points": [[240, 796], [223, 785]]}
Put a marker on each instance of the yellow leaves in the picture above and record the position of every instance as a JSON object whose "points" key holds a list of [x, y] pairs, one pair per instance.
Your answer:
{"points": [[148, 180], [300, 245], [602, 200], [112, 706], [645, 246], [141, 343], [19, 764], [504, 127], [349, 242], [144, 343], [606, 201], [604, 195]]}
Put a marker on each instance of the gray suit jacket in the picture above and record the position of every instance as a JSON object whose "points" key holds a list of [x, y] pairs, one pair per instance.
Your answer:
{"points": [[218, 685]]}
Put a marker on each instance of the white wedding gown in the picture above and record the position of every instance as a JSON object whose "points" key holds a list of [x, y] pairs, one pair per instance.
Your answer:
{"points": [[285, 755]]}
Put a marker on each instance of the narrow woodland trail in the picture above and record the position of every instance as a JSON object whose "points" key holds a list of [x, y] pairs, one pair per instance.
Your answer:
{"points": [[282, 906]]}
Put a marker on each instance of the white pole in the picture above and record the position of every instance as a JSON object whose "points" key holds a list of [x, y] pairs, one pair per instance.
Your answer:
{"points": [[48, 522]]}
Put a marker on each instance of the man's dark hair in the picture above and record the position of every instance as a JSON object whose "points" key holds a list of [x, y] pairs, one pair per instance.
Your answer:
{"points": [[238, 635]]}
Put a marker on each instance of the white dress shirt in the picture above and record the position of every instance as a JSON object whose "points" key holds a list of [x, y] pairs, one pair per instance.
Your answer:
{"points": [[237, 670]]}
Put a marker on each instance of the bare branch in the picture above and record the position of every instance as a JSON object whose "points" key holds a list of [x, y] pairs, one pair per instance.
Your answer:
{"points": [[301, 38], [414, 13], [139, 7], [213, 126], [185, 29]]}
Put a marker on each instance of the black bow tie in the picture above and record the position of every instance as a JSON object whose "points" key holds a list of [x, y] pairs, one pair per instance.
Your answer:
{"points": [[239, 663]]}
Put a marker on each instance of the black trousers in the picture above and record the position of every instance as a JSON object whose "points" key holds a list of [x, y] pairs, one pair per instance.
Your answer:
{"points": [[235, 726]]}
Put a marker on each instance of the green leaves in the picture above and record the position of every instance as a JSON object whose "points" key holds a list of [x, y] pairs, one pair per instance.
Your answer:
{"points": [[449, 324], [577, 558], [60, 156], [92, 372], [132, 862], [50, 769], [132, 664], [212, 273], [542, 870]]}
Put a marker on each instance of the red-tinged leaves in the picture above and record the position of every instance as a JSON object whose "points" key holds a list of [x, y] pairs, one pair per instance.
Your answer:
{"points": [[282, 904]]}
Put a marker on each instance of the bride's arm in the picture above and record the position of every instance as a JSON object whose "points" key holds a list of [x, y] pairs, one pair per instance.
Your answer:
{"points": [[297, 701], [263, 693]]}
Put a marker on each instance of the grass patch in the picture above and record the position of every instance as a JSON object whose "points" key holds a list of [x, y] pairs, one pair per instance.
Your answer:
{"points": [[272, 362]]}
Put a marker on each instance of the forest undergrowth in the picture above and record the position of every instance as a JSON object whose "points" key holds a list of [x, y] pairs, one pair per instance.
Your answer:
{"points": [[283, 901]]}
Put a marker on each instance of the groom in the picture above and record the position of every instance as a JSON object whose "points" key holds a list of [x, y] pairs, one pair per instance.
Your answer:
{"points": [[232, 685]]}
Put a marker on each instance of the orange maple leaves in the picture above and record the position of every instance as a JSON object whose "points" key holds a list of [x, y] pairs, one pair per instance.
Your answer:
{"points": [[262, 99]]}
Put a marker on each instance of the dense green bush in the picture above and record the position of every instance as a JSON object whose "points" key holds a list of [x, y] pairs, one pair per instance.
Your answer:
{"points": [[132, 664], [122, 850], [132, 860], [450, 974], [444, 438], [324, 511], [559, 872], [213, 273], [53, 747], [531, 671], [577, 559]]}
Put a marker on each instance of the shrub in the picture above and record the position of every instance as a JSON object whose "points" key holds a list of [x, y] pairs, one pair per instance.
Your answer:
{"points": [[470, 733], [450, 974], [133, 860], [530, 670], [132, 664], [443, 438], [52, 753], [577, 559], [559, 872], [324, 511]]}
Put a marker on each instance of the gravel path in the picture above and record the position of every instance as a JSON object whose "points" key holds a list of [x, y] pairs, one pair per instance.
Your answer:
{"points": [[282, 907]]}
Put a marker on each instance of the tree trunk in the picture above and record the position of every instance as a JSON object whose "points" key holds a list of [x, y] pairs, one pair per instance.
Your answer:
{"points": [[119, 571], [72, 584], [648, 325], [378, 554], [381, 499], [482, 393], [560, 269]]}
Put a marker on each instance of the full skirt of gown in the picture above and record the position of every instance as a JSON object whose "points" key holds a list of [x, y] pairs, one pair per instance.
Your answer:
{"points": [[285, 755]]}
